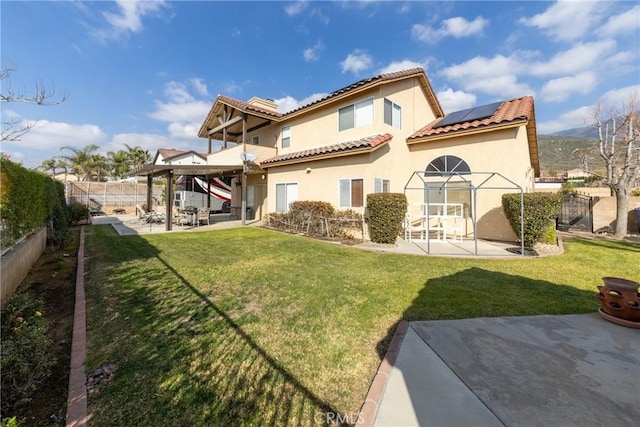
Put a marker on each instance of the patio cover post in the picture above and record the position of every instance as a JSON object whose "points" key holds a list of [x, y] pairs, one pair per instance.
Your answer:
{"points": [[169, 201], [149, 190], [243, 213]]}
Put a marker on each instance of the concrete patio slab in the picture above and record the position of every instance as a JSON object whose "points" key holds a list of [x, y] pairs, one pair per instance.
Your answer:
{"points": [[572, 370]]}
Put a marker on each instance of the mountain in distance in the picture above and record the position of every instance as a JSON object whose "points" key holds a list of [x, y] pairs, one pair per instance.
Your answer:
{"points": [[565, 150], [581, 132]]}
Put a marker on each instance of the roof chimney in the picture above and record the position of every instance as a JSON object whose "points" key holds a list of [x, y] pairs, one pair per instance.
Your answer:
{"points": [[266, 104]]}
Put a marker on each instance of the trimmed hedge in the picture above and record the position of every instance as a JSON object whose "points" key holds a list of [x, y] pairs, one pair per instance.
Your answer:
{"points": [[29, 200], [386, 212], [540, 211]]}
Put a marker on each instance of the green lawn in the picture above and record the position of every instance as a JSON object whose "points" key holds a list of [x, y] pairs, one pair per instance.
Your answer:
{"points": [[249, 326]]}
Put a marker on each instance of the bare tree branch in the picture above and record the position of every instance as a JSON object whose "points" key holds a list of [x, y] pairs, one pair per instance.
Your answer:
{"points": [[12, 130]]}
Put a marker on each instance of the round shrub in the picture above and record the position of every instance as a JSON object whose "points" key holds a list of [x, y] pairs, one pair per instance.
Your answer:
{"points": [[386, 212], [540, 211]]}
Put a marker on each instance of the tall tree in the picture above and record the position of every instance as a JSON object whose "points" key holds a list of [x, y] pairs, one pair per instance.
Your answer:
{"points": [[138, 156], [119, 164], [12, 128], [83, 161], [618, 139]]}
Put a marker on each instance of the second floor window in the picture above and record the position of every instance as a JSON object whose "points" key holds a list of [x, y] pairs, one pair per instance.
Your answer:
{"points": [[392, 114], [356, 115], [255, 140], [286, 137]]}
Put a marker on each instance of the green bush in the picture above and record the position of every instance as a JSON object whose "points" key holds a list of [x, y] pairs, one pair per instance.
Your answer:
{"points": [[386, 212], [30, 200], [77, 212], [25, 359], [540, 211]]}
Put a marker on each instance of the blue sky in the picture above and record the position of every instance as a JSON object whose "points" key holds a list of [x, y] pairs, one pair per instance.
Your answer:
{"points": [[146, 73]]}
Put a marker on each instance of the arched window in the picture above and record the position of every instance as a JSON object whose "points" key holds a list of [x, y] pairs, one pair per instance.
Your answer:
{"points": [[447, 165], [448, 191]]}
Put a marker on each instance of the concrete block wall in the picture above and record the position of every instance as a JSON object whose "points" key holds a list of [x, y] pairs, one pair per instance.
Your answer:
{"points": [[15, 264], [604, 214]]}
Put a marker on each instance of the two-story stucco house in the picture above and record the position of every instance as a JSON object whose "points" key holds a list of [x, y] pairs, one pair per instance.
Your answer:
{"points": [[386, 133]]}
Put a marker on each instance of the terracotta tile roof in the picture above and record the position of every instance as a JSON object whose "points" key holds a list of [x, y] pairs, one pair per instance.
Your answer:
{"points": [[369, 143], [246, 107], [361, 83], [512, 111]]}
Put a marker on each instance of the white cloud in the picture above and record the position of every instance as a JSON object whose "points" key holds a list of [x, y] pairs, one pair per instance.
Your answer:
{"points": [[356, 61], [572, 119], [295, 8], [616, 98], [457, 27], [128, 18], [47, 135], [567, 20], [149, 141], [184, 130], [557, 90], [402, 65], [494, 76], [200, 86], [312, 54], [289, 103], [455, 100], [581, 57], [623, 23], [182, 107]]}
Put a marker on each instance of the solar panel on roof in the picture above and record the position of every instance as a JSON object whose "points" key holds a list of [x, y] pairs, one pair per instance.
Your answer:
{"points": [[455, 117], [470, 114], [482, 112]]}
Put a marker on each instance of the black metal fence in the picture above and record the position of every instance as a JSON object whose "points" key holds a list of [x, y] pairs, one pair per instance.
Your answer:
{"points": [[576, 213]]}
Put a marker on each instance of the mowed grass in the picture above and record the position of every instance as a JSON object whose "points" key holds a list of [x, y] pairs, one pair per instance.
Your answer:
{"points": [[253, 327]]}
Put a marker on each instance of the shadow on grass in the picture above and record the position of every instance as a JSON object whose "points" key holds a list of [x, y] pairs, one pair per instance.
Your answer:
{"points": [[476, 292], [180, 358]]}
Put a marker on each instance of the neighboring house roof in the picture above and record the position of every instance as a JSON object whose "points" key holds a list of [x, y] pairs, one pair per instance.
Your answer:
{"points": [[361, 85], [514, 112], [363, 145], [169, 153]]}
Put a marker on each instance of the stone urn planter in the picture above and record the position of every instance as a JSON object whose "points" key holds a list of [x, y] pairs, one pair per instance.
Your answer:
{"points": [[619, 301]]}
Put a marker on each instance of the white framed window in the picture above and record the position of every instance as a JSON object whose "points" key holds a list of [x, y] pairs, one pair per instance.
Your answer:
{"points": [[381, 185], [255, 140], [352, 193], [356, 115], [392, 114], [286, 137], [286, 194]]}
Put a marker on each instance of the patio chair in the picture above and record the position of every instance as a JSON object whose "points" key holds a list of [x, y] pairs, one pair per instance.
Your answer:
{"points": [[150, 216], [203, 216], [180, 217]]}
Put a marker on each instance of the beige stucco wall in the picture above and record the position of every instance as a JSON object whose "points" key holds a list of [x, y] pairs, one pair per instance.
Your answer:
{"points": [[320, 127], [16, 263], [604, 214], [504, 151]]}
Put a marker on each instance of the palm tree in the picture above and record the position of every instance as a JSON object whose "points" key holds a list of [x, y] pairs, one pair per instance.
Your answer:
{"points": [[49, 165], [83, 161], [138, 156], [119, 164]]}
